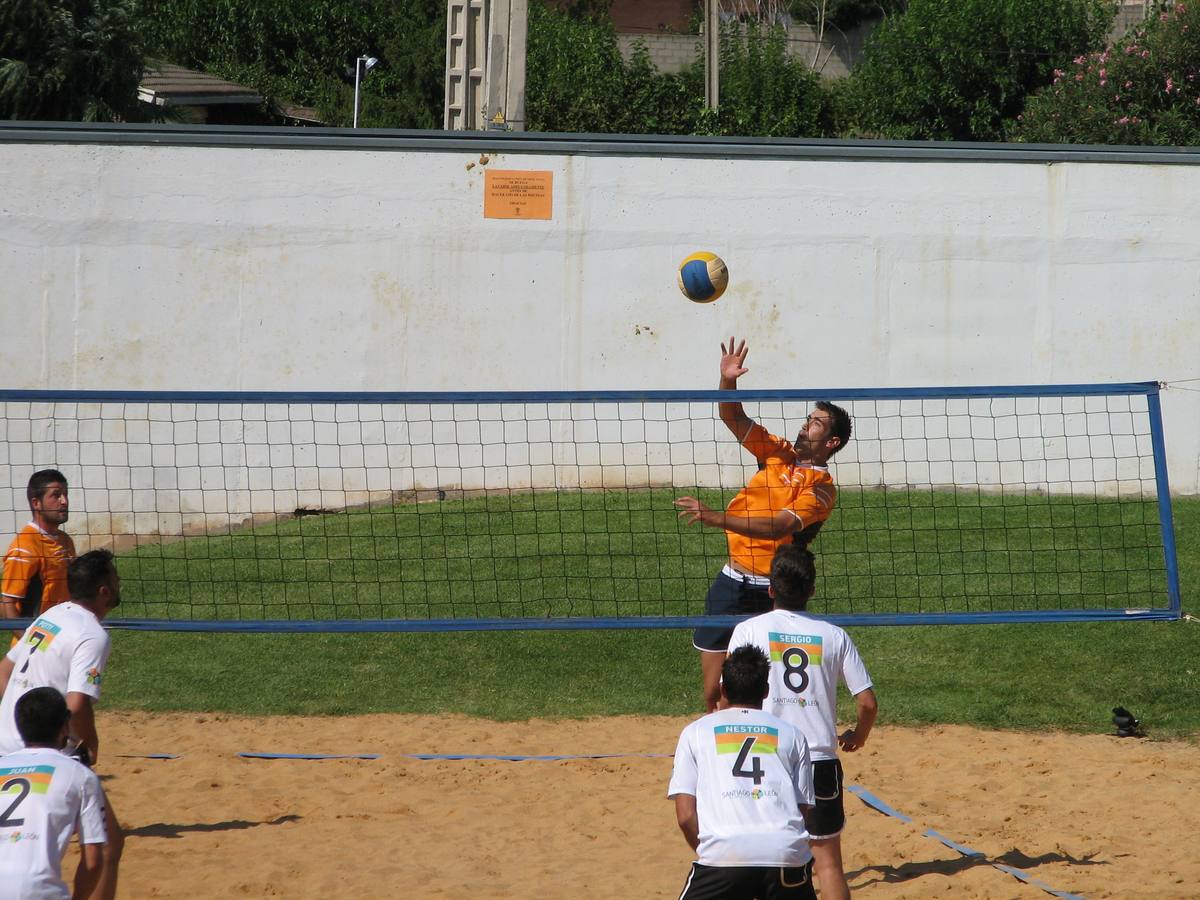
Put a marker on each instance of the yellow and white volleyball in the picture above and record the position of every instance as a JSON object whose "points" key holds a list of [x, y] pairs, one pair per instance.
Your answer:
{"points": [[703, 277]]}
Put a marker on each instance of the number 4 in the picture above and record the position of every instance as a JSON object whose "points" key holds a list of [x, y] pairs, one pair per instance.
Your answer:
{"points": [[739, 764]]}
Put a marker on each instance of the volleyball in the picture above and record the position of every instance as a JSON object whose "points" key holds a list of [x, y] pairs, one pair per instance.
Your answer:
{"points": [[703, 277]]}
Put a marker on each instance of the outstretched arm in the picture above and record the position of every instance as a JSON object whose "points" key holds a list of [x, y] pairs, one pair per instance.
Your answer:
{"points": [[733, 358], [774, 527]]}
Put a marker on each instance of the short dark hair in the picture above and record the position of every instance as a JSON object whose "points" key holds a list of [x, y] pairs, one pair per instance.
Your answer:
{"points": [[745, 674], [793, 576], [88, 573], [41, 713], [840, 420], [40, 480]]}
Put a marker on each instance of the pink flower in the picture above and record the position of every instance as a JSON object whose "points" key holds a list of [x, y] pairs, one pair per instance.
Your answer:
{"points": [[1129, 84], [1124, 120], [1079, 78], [1104, 73], [1170, 85], [1080, 60]]}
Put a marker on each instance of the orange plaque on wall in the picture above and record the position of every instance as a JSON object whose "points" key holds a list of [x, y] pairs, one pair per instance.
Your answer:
{"points": [[514, 194]]}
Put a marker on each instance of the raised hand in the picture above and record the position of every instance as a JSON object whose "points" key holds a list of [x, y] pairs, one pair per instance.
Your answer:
{"points": [[733, 359]]}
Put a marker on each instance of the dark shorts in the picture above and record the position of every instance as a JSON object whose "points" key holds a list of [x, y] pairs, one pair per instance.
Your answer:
{"points": [[749, 883], [828, 817], [729, 597]]}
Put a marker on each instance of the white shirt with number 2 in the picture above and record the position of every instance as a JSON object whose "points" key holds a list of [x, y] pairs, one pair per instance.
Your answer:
{"points": [[44, 797]]}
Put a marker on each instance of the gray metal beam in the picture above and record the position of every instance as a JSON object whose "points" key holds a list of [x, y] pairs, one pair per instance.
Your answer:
{"points": [[388, 140]]}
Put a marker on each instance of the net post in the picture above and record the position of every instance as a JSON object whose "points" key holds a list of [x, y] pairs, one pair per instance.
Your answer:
{"points": [[1165, 515]]}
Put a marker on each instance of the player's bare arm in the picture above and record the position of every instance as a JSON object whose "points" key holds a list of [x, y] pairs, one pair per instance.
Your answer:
{"points": [[689, 821], [83, 723], [87, 876], [867, 708], [774, 527], [733, 360]]}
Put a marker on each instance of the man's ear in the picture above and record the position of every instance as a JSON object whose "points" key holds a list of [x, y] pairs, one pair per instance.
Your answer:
{"points": [[771, 591]]}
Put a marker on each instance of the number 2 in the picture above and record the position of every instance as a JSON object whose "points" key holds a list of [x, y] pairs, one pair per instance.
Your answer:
{"points": [[23, 785]]}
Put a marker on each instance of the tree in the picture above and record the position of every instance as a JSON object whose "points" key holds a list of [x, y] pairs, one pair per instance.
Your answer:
{"points": [[1143, 90], [960, 69], [299, 51], [69, 60]]}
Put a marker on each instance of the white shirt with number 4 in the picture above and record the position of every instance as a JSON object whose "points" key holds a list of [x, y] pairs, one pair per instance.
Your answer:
{"points": [[44, 797], [808, 658], [65, 648], [749, 772]]}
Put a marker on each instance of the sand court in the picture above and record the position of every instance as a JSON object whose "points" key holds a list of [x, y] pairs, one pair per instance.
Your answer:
{"points": [[1094, 816]]}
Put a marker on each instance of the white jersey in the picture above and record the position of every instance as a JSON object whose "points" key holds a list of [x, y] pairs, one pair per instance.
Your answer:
{"points": [[749, 772], [65, 648], [808, 657], [44, 797]]}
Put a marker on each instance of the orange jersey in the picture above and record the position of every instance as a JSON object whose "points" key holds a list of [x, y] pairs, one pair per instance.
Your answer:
{"points": [[807, 492], [35, 570]]}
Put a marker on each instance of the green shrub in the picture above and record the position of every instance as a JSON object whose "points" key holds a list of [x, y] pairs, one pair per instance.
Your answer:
{"points": [[1143, 90], [577, 81], [959, 69]]}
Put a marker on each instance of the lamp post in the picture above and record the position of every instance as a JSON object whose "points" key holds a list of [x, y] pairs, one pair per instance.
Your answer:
{"points": [[362, 66]]}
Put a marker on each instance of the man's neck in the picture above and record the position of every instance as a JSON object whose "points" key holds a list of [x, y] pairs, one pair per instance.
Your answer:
{"points": [[46, 527]]}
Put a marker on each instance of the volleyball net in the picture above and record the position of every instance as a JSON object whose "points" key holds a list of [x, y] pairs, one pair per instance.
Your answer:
{"points": [[454, 511]]}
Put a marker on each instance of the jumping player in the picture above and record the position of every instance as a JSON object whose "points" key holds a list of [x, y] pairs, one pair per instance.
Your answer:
{"points": [[741, 780], [35, 566], [46, 797], [785, 502], [808, 658]]}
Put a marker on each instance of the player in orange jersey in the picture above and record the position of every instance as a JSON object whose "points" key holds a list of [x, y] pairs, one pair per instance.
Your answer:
{"points": [[785, 502], [35, 566]]}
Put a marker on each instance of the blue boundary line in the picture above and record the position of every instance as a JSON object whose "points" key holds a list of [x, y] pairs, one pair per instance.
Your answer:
{"points": [[1148, 388], [309, 755], [875, 803]]}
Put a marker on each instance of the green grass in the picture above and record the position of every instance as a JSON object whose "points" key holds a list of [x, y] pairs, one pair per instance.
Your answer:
{"points": [[625, 553], [1025, 677]]}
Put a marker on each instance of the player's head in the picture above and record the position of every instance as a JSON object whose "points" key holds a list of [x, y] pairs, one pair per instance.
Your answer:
{"points": [[793, 577], [47, 495], [93, 581], [745, 676], [42, 717], [824, 433]]}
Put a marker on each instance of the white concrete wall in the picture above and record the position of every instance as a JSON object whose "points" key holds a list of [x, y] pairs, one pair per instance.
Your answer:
{"points": [[159, 267]]}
